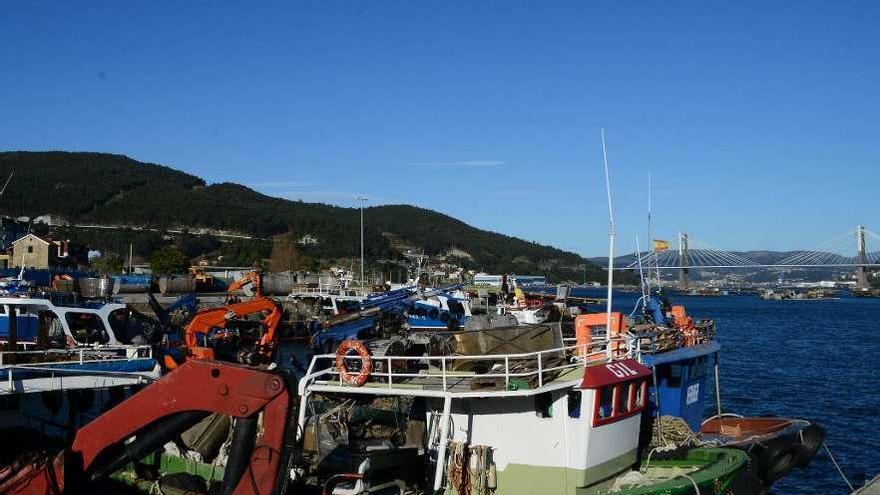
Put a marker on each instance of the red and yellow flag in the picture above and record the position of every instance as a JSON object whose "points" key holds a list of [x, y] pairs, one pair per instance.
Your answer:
{"points": [[660, 245]]}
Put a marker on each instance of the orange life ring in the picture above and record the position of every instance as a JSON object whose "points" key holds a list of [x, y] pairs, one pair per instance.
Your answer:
{"points": [[366, 363]]}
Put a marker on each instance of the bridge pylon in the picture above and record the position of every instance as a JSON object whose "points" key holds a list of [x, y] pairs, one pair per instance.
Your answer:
{"points": [[684, 276], [862, 269]]}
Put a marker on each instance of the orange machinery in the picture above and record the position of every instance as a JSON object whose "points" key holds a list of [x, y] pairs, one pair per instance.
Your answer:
{"points": [[210, 323]]}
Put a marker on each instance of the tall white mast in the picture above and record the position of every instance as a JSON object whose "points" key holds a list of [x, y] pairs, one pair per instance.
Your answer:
{"points": [[653, 253], [611, 235]]}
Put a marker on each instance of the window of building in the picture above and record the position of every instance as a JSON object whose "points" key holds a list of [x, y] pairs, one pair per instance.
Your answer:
{"points": [[30, 249]]}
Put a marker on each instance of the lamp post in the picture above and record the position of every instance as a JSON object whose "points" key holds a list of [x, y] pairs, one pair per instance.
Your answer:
{"points": [[363, 200]]}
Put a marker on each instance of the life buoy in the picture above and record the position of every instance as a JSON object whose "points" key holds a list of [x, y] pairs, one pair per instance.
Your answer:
{"points": [[366, 363]]}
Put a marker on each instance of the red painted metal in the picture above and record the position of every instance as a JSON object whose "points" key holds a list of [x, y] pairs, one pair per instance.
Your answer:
{"points": [[223, 388], [615, 372], [218, 317]]}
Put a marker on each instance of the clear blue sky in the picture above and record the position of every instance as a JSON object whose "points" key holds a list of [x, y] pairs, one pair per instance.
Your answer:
{"points": [[760, 121]]}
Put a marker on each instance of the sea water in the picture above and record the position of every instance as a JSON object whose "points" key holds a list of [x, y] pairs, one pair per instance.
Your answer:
{"points": [[816, 360]]}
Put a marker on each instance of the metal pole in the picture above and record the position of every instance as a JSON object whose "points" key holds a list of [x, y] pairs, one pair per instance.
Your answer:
{"points": [[363, 200], [717, 388], [441, 449], [611, 235], [656, 403]]}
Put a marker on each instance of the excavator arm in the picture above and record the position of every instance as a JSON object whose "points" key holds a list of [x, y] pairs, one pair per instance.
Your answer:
{"points": [[204, 321], [253, 278], [159, 413]]}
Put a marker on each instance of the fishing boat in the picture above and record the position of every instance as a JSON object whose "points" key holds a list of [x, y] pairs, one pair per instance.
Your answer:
{"points": [[531, 418], [446, 309], [679, 350]]}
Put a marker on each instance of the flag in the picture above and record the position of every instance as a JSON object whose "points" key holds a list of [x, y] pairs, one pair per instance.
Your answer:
{"points": [[660, 245]]}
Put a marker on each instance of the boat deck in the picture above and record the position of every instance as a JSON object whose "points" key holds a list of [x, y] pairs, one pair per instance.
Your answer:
{"points": [[23, 372]]}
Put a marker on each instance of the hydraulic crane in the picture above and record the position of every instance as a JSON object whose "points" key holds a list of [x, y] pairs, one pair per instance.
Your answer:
{"points": [[259, 453]]}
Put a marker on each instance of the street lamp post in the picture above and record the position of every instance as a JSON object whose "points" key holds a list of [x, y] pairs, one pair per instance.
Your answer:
{"points": [[363, 200]]}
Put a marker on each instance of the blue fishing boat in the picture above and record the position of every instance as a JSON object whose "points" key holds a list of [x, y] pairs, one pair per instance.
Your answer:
{"points": [[679, 352]]}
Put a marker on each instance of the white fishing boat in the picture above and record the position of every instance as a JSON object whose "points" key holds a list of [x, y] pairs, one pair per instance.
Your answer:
{"points": [[552, 420]]}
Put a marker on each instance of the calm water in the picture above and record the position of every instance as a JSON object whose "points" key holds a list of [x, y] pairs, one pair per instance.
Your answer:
{"points": [[809, 359]]}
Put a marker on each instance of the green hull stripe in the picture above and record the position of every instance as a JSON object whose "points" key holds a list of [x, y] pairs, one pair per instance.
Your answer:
{"points": [[719, 467]]}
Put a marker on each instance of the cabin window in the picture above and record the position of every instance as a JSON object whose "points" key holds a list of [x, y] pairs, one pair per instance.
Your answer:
{"points": [[87, 328], [575, 397], [30, 249], [606, 403], [639, 395], [618, 401], [623, 393], [544, 405], [697, 369], [671, 375]]}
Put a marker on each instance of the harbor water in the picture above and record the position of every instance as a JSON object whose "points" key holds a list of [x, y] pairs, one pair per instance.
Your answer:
{"points": [[809, 359]]}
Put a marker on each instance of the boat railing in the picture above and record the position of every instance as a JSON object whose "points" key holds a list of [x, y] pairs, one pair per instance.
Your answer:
{"points": [[439, 375], [73, 355]]}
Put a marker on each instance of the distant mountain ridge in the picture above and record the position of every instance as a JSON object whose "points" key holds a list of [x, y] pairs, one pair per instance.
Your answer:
{"points": [[108, 189]]}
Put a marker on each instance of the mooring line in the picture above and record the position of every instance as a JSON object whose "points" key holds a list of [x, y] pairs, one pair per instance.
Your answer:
{"points": [[834, 461]]}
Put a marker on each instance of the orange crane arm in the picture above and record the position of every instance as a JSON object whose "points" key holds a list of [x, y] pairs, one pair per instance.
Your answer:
{"points": [[253, 277], [205, 320]]}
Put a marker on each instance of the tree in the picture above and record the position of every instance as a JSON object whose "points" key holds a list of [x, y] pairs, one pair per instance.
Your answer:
{"points": [[284, 254], [168, 261], [108, 264]]}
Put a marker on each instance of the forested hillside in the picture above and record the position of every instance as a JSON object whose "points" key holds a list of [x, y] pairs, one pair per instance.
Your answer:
{"points": [[100, 188]]}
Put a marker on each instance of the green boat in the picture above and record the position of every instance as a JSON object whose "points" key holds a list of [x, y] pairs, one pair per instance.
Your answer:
{"points": [[700, 470]]}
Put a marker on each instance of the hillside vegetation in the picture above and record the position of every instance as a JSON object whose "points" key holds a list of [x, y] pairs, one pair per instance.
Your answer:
{"points": [[106, 189]]}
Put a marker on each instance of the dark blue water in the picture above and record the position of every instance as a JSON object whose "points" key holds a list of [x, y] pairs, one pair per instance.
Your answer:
{"points": [[809, 359]]}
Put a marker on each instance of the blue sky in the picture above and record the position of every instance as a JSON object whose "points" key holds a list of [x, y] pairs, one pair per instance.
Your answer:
{"points": [[759, 121]]}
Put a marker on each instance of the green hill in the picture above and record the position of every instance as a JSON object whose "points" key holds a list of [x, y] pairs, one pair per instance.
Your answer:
{"points": [[106, 189]]}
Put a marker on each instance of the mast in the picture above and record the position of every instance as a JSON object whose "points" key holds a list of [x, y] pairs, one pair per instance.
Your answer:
{"points": [[611, 235], [653, 254]]}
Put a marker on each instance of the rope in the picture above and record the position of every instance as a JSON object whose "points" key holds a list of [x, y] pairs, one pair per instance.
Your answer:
{"points": [[834, 461], [696, 487], [457, 470]]}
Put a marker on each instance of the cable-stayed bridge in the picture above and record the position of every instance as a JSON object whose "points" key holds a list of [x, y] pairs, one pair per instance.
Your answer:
{"points": [[847, 250]]}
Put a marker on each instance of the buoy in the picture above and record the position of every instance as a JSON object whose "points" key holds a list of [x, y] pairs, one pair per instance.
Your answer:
{"points": [[366, 363]]}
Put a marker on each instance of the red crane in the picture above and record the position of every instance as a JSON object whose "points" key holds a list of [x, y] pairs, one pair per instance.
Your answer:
{"points": [[161, 412]]}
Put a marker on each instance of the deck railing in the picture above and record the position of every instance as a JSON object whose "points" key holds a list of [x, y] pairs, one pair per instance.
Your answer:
{"points": [[77, 354], [444, 372]]}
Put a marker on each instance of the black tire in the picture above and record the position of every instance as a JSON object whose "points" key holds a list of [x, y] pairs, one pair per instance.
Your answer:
{"points": [[812, 438], [776, 459], [747, 482]]}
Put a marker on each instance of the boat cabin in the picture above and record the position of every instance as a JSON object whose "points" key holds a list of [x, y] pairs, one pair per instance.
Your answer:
{"points": [[106, 323]]}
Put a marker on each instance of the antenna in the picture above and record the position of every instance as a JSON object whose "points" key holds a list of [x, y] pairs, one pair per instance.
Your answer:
{"points": [[653, 254], [611, 235], [646, 285]]}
